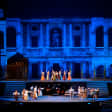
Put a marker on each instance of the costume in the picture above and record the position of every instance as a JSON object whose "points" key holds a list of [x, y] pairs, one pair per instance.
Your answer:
{"points": [[69, 76], [64, 76], [47, 75], [42, 76], [39, 92], [26, 95]]}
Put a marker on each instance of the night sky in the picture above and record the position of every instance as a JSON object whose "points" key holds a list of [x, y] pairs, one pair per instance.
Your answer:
{"points": [[57, 8]]}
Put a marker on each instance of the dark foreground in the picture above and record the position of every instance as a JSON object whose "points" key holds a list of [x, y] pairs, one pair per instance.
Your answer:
{"points": [[57, 104]]}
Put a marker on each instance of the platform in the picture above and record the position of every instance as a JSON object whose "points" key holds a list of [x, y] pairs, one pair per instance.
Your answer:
{"points": [[55, 99]]}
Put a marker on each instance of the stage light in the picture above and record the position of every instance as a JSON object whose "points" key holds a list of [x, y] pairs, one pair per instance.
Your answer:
{"points": [[89, 103], [21, 103]]}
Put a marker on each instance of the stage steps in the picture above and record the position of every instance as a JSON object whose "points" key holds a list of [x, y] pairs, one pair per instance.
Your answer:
{"points": [[102, 85], [11, 86]]}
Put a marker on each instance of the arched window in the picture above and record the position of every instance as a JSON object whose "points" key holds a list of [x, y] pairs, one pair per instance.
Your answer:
{"points": [[11, 37], [56, 37], [100, 71], [110, 37], [100, 36], [1, 40]]}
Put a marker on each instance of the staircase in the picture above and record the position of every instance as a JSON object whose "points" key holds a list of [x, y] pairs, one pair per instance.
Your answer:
{"points": [[102, 85], [11, 86]]}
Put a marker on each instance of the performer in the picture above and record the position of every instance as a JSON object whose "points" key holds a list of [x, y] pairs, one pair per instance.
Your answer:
{"points": [[69, 76], [53, 77], [23, 92], [59, 76], [64, 76], [71, 91], [26, 95], [85, 93], [97, 92], [16, 94], [40, 91], [56, 74], [31, 92], [81, 92], [35, 93], [42, 76], [79, 88], [48, 75]]}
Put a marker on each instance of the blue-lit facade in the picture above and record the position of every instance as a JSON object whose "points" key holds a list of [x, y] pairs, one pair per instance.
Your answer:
{"points": [[80, 45]]}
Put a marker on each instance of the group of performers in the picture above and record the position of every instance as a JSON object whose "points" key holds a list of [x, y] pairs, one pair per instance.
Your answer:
{"points": [[34, 93], [88, 92], [83, 92], [55, 75]]}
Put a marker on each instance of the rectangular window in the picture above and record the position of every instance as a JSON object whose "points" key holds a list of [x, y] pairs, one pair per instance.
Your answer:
{"points": [[1, 40], [100, 37], [35, 71], [87, 35], [76, 41], [110, 42], [34, 41]]}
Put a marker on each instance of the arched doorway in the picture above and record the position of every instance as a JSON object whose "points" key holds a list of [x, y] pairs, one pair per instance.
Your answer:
{"points": [[17, 67]]}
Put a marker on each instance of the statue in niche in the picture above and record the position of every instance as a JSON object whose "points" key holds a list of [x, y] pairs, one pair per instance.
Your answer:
{"points": [[56, 38]]}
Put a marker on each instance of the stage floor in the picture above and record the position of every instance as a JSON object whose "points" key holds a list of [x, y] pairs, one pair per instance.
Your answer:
{"points": [[56, 99], [73, 80]]}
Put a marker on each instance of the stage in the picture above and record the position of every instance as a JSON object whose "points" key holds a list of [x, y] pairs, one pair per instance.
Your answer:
{"points": [[50, 103], [7, 87], [55, 99]]}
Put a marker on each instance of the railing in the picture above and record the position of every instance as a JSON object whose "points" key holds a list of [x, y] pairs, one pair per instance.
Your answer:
{"points": [[63, 51]]}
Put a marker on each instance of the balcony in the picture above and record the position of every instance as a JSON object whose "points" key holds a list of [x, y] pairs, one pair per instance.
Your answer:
{"points": [[56, 52]]}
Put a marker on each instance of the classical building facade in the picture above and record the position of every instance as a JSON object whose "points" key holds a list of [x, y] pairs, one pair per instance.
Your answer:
{"points": [[80, 45]]}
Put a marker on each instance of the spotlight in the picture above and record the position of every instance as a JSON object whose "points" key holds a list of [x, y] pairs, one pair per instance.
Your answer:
{"points": [[21, 103]]}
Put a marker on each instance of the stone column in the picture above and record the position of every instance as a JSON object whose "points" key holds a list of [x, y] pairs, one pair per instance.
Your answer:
{"points": [[91, 70], [107, 70], [64, 36], [28, 36], [41, 35], [5, 38], [65, 66], [83, 43], [92, 40], [19, 41], [84, 69], [47, 35], [29, 71], [105, 43]]}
